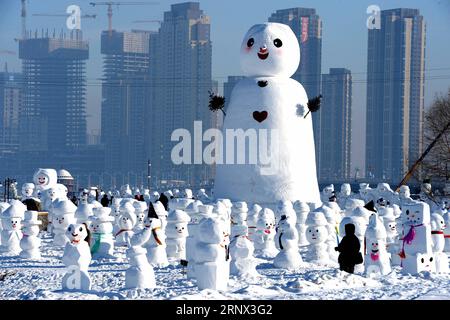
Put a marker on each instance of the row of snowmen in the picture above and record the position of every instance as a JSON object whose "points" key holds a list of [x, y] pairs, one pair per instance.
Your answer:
{"points": [[222, 237]]}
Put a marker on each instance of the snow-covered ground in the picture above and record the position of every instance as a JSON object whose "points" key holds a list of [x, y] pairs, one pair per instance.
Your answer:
{"points": [[42, 280]]}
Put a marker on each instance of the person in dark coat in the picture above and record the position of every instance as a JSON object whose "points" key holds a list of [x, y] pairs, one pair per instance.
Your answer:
{"points": [[164, 200], [349, 250], [105, 200]]}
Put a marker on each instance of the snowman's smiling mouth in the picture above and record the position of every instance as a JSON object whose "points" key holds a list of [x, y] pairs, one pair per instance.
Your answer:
{"points": [[263, 56]]}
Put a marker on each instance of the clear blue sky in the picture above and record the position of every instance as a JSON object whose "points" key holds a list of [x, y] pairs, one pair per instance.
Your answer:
{"points": [[344, 39]]}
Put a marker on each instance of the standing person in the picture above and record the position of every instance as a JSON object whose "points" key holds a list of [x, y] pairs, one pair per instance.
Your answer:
{"points": [[105, 200], [349, 250]]}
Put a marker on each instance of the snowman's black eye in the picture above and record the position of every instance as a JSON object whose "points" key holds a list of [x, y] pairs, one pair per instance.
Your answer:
{"points": [[81, 229], [250, 42], [407, 211], [277, 43], [309, 230], [431, 259], [423, 260]]}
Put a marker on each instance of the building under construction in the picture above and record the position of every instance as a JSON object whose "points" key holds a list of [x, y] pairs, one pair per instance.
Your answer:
{"points": [[54, 109], [125, 98]]}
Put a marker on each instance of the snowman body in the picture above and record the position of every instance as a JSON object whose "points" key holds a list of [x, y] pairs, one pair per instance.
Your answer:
{"points": [[271, 106], [265, 235], [30, 241], [212, 262], [243, 264], [11, 235], [77, 257], [102, 241], [60, 224], [140, 274], [286, 240], [438, 238]]}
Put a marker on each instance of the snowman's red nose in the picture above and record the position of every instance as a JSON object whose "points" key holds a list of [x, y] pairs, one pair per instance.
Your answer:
{"points": [[263, 50]]}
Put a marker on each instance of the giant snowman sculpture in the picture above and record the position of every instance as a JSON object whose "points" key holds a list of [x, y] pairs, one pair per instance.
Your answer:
{"points": [[269, 99]]}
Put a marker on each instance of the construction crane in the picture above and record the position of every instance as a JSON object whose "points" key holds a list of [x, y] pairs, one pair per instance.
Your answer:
{"points": [[116, 3], [93, 16], [9, 52], [148, 21]]}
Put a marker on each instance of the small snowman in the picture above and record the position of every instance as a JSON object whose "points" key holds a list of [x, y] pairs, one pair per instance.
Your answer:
{"points": [[243, 264], [3, 207], [28, 197], [30, 241], [265, 234], [333, 221], [83, 212], [392, 239], [437, 236], [140, 274], [286, 240], [102, 240], [161, 213], [351, 204], [252, 219], [239, 219], [404, 196], [63, 216], [377, 259], [202, 196], [317, 235], [327, 193], [77, 257], [366, 193], [286, 208], [344, 194], [126, 224], [154, 196], [447, 232], [177, 232], [302, 210], [193, 210], [12, 223], [212, 260], [140, 207], [156, 244], [417, 244]]}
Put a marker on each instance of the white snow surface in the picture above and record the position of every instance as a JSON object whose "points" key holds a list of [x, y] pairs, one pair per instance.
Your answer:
{"points": [[27, 279]]}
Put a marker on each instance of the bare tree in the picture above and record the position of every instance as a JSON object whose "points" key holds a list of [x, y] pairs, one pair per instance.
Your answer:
{"points": [[436, 165]]}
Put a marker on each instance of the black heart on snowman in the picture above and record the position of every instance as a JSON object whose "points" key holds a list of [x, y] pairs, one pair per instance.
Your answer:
{"points": [[260, 116]]}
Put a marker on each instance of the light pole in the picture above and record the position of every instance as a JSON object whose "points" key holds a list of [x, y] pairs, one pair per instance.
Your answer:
{"points": [[149, 166]]}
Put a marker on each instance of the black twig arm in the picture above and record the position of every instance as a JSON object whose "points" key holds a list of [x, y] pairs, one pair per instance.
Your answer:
{"points": [[216, 102], [314, 104]]}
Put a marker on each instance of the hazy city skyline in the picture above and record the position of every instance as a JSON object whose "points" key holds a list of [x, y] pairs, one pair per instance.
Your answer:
{"points": [[344, 32]]}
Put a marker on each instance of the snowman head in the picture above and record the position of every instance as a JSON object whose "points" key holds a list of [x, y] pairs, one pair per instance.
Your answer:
{"points": [[316, 234], [416, 214], [43, 178], [177, 230], [425, 262], [127, 220], [78, 232], [437, 222], [404, 192], [346, 189], [61, 221], [269, 50], [27, 189], [12, 224]]}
